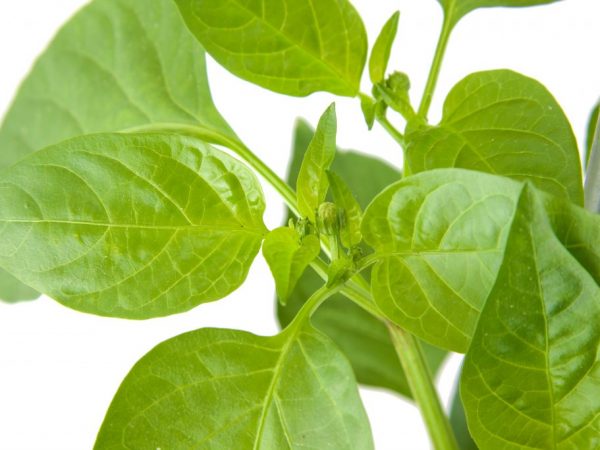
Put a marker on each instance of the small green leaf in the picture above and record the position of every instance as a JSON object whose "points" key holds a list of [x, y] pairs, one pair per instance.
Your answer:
{"points": [[351, 210], [380, 54], [591, 132], [368, 107], [503, 123], [312, 184], [84, 83], [288, 256], [294, 47], [394, 93], [457, 9], [531, 376], [225, 389], [362, 338], [132, 226]]}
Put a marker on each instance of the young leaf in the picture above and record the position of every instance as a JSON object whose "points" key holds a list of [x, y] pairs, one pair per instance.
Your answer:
{"points": [[591, 132], [312, 183], [363, 339], [132, 226], [225, 389], [84, 83], [457, 9], [345, 200], [368, 107], [380, 54], [394, 93], [531, 376], [503, 123], [288, 256], [294, 47]]}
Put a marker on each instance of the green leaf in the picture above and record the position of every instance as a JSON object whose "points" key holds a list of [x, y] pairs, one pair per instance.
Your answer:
{"points": [[440, 235], [312, 183], [368, 107], [132, 226], [288, 256], [531, 378], [380, 54], [591, 132], [458, 422], [457, 9], [13, 291], [592, 179], [294, 47], [394, 93], [363, 339], [352, 212], [117, 64], [225, 389], [503, 123]]}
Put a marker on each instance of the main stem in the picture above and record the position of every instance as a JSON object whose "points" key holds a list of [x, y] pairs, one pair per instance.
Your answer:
{"points": [[436, 65], [419, 379]]}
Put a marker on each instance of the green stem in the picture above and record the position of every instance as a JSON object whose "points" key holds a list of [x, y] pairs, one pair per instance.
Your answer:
{"points": [[392, 131], [436, 65], [421, 385], [314, 301]]}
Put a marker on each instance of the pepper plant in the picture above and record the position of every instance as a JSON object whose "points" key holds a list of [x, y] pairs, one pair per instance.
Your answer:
{"points": [[125, 193]]}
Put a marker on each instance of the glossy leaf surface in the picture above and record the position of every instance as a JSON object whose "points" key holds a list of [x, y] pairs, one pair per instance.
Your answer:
{"points": [[132, 226], [456, 9], [312, 183], [288, 256], [503, 123], [294, 47], [531, 377], [380, 54], [363, 339], [115, 65], [224, 389], [440, 235]]}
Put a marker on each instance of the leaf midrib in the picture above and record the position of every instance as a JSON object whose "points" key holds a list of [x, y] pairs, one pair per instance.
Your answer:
{"points": [[200, 227]]}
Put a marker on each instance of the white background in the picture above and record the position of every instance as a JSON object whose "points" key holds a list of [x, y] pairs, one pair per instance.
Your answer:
{"points": [[59, 369]]}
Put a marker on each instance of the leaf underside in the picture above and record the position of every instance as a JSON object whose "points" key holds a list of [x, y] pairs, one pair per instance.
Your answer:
{"points": [[132, 226], [223, 389], [116, 65], [293, 47]]}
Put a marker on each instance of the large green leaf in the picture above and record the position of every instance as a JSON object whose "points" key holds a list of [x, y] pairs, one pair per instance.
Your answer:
{"points": [[362, 338], [116, 64], [456, 9], [133, 226], [503, 123], [224, 389], [12, 290], [294, 47], [440, 235], [531, 378], [312, 183]]}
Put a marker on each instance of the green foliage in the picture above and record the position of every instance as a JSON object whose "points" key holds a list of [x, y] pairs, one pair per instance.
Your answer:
{"points": [[591, 132], [457, 9], [114, 202], [294, 47], [312, 183], [531, 375], [288, 255], [364, 340], [133, 226], [225, 389], [504, 123], [115, 65], [380, 54]]}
